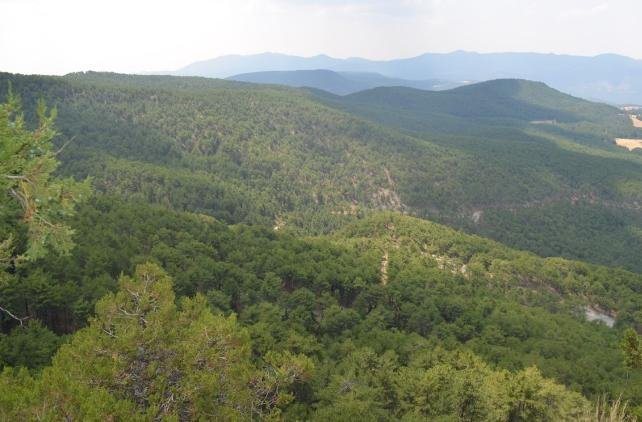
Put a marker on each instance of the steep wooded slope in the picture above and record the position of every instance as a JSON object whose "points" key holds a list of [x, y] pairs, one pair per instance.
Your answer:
{"points": [[325, 296], [378, 318], [529, 132], [470, 157]]}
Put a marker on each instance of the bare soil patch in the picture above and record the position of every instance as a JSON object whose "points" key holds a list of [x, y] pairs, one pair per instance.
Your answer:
{"points": [[385, 261], [543, 122], [629, 144], [636, 122]]}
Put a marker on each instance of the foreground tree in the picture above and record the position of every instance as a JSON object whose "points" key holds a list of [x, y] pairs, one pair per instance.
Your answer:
{"points": [[33, 203], [143, 357]]}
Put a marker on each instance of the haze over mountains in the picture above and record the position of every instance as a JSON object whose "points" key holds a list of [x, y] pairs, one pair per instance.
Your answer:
{"points": [[340, 83], [611, 78]]}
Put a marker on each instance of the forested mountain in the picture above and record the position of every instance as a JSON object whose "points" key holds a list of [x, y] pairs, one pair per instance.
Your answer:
{"points": [[339, 83], [608, 77], [359, 311], [577, 188], [501, 100], [326, 80], [247, 253], [513, 160]]}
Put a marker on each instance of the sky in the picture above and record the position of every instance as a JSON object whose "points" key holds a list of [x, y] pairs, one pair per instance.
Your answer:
{"points": [[61, 36]]}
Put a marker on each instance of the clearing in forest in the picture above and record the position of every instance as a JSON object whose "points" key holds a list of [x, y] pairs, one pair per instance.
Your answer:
{"points": [[629, 144], [635, 120]]}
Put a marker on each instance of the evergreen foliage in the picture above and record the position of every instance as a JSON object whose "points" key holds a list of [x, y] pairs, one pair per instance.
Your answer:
{"points": [[314, 304], [505, 159], [144, 358]]}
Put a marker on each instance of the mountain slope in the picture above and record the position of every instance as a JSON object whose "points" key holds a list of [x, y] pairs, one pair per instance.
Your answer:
{"points": [[321, 79], [323, 300], [526, 124], [277, 156], [339, 83], [611, 78], [376, 80], [388, 315], [226, 66], [504, 101]]}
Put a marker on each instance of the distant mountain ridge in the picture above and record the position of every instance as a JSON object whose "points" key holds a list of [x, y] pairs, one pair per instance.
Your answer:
{"points": [[608, 77], [339, 83], [494, 100]]}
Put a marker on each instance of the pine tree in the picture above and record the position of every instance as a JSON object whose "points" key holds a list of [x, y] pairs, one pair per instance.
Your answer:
{"points": [[31, 198], [143, 357], [632, 348]]}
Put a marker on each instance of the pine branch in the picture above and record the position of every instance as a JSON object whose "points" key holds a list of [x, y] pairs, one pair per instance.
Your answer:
{"points": [[8, 312], [63, 146]]}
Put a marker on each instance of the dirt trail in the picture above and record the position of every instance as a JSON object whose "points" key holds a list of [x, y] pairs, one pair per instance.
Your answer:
{"points": [[391, 182], [385, 260]]}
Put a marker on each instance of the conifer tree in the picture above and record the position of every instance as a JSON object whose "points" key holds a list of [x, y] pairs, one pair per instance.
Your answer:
{"points": [[32, 199], [143, 357], [632, 348]]}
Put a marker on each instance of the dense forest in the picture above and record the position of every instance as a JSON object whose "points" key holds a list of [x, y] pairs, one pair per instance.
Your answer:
{"points": [[549, 176], [246, 253], [485, 158]]}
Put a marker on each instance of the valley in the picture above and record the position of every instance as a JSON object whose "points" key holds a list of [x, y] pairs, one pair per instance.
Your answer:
{"points": [[442, 155], [324, 211], [323, 238], [339, 83]]}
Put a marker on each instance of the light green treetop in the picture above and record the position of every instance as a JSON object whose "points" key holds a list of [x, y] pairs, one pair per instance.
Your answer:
{"points": [[27, 161], [143, 357]]}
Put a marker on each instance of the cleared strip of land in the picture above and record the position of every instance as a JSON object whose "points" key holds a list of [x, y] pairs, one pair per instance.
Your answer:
{"points": [[629, 144], [636, 122], [543, 122]]}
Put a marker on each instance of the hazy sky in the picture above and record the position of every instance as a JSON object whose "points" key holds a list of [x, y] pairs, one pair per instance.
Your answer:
{"points": [[60, 36]]}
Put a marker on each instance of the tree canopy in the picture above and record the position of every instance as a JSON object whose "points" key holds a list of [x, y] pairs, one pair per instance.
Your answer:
{"points": [[323, 300]]}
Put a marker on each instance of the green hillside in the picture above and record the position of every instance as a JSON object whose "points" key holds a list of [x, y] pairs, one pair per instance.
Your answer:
{"points": [[326, 80], [338, 83], [469, 157], [502, 102], [402, 293], [143, 302], [529, 132], [214, 146]]}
